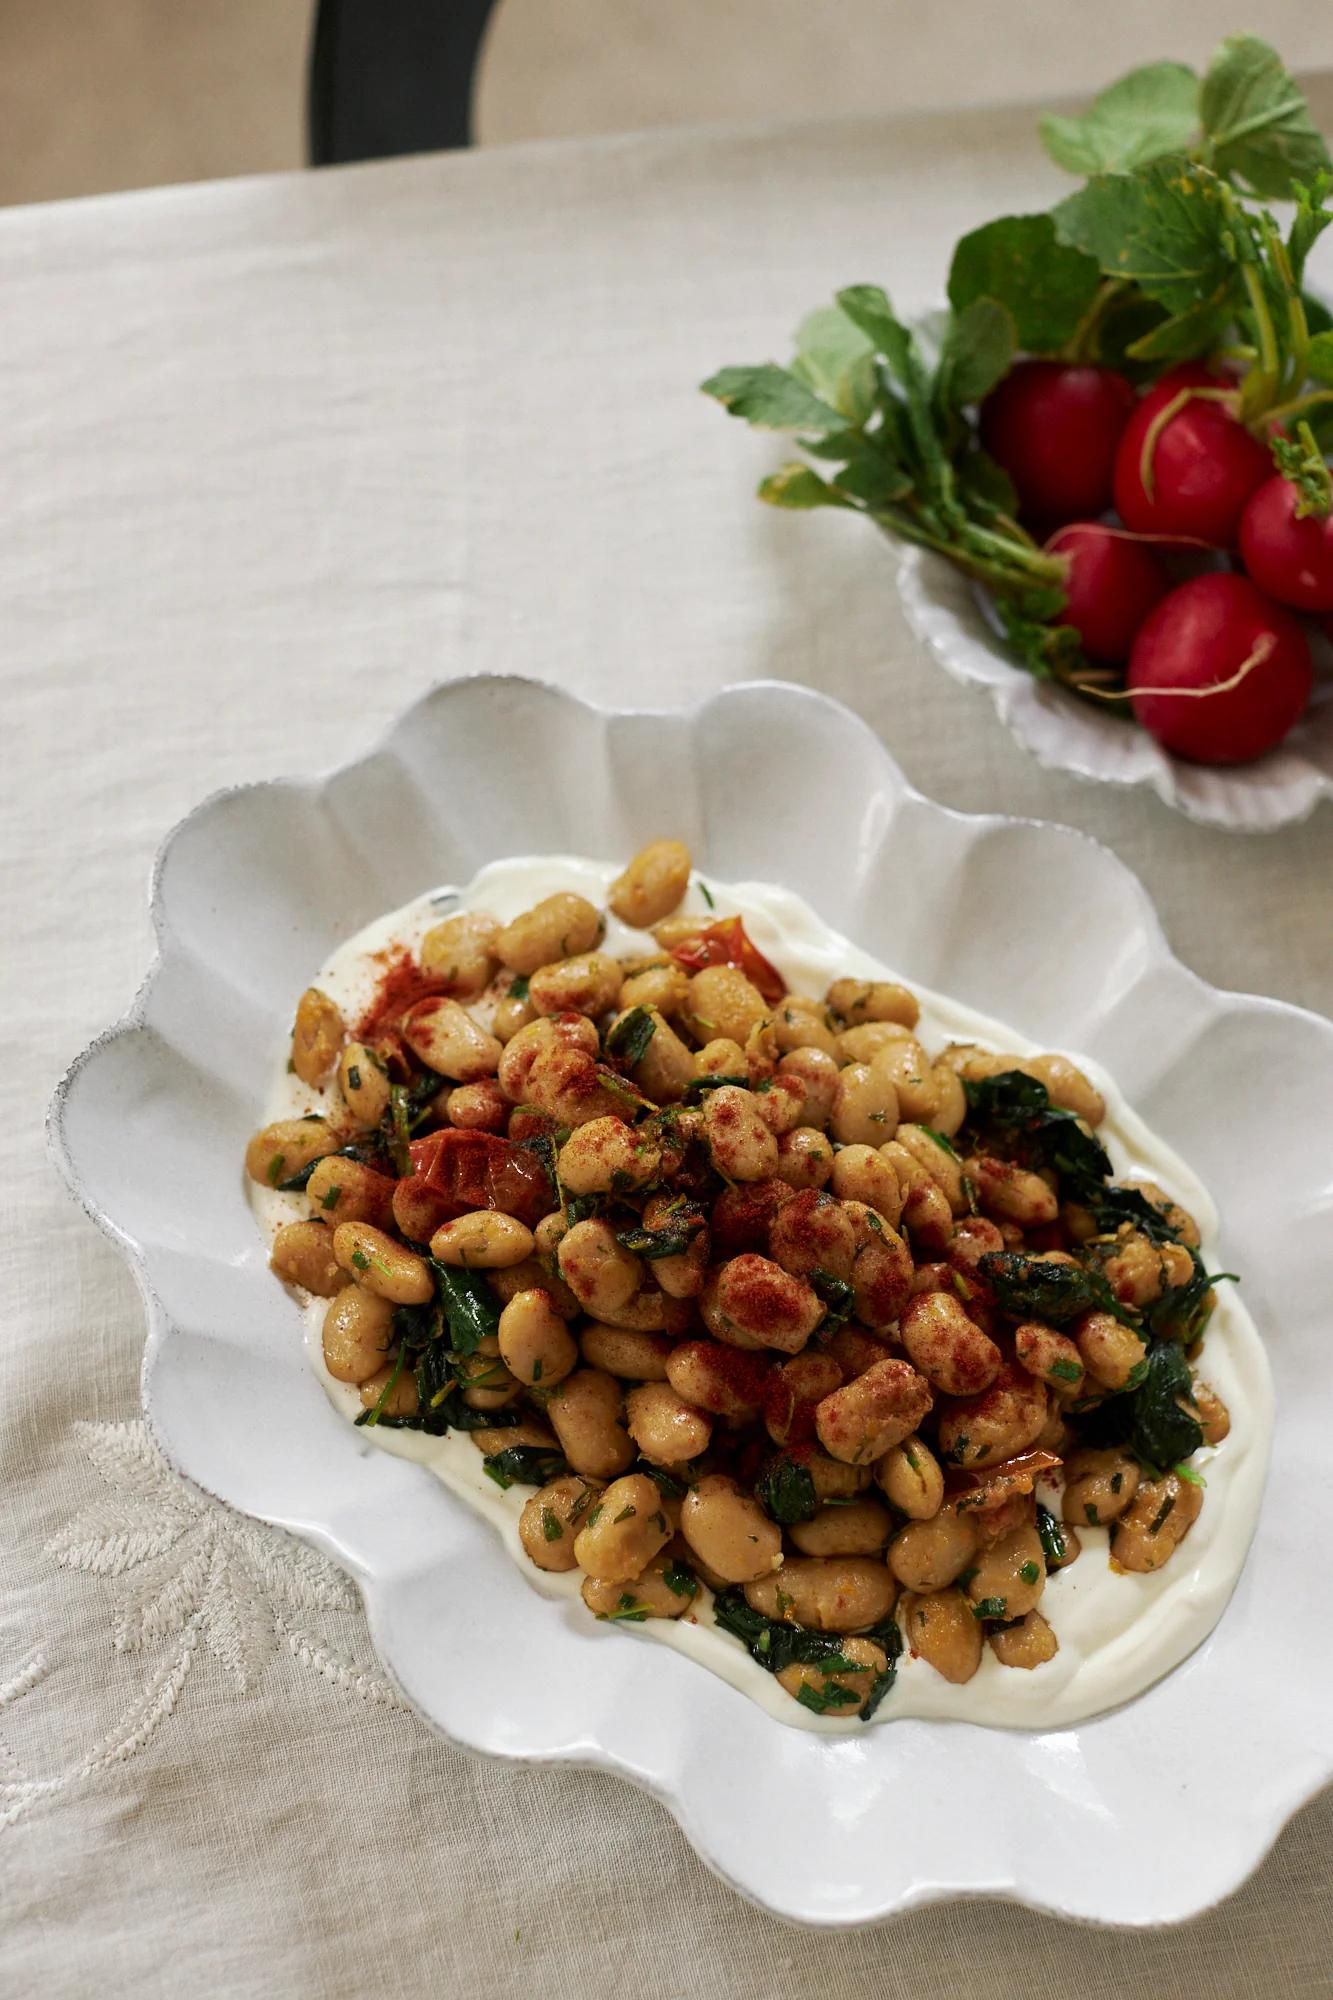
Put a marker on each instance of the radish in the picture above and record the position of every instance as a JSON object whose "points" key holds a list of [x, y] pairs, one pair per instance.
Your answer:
{"points": [[1219, 632], [1185, 465], [1112, 584], [1054, 428], [1289, 557]]}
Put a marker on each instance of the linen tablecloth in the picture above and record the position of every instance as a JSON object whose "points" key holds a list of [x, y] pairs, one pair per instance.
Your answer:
{"points": [[277, 454]]}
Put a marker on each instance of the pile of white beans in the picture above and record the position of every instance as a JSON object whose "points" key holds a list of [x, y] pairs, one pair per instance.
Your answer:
{"points": [[800, 1286]]}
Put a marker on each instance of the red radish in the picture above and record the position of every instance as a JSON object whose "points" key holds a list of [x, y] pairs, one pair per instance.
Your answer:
{"points": [[1202, 463], [1054, 427], [1290, 558], [1219, 631], [1112, 585]]}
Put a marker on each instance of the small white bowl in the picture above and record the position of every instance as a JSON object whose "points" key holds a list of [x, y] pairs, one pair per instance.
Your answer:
{"points": [[1142, 1816], [1066, 734]]}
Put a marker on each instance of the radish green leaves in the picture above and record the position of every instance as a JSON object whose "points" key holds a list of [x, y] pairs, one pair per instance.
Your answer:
{"points": [[1246, 119], [1047, 286], [1153, 110]]}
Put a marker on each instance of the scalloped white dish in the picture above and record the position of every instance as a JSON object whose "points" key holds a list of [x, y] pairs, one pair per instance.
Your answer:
{"points": [[1066, 734], [149, 1126]]}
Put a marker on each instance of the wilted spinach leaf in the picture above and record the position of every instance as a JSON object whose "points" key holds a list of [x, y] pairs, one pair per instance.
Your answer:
{"points": [[470, 1306], [786, 1491], [524, 1464], [773, 1644], [1028, 1288], [1110, 1206], [1181, 1312], [1019, 1108], [1162, 1433]]}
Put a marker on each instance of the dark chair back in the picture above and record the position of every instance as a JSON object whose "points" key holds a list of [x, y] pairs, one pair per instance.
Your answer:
{"points": [[392, 76]]}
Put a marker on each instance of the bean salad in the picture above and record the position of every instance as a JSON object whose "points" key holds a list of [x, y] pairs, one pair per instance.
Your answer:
{"points": [[765, 1306]]}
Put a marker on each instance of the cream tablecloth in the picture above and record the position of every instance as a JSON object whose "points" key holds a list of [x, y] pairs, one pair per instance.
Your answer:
{"points": [[275, 455]]}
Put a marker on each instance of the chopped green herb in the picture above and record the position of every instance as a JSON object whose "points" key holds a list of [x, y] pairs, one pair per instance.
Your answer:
{"points": [[332, 1196], [1066, 1371], [671, 1241], [518, 987], [553, 1528], [371, 1417], [946, 1144], [625, 1514], [400, 1129], [629, 1038], [707, 895], [837, 1294], [1187, 1473], [579, 1207], [275, 1167], [670, 1487], [627, 1612], [1160, 1517], [699, 1086], [680, 1579], [831, 1695], [360, 1260], [989, 1607], [595, 1516], [1030, 1572], [1092, 1516], [353, 1076], [1053, 1542]]}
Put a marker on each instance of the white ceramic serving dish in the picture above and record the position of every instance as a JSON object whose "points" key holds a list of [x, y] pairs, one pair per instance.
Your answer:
{"points": [[1143, 1816], [1066, 734]]}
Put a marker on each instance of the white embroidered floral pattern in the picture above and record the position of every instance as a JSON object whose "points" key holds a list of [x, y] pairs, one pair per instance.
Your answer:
{"points": [[186, 1573]]}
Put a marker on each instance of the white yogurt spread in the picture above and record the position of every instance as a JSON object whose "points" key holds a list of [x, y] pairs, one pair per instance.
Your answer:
{"points": [[1117, 1633]]}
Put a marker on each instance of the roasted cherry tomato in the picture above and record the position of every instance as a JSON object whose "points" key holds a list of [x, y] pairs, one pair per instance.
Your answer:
{"points": [[725, 943], [469, 1170]]}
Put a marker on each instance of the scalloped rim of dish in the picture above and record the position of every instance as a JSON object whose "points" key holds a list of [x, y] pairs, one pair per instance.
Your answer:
{"points": [[921, 1891], [1060, 733]]}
